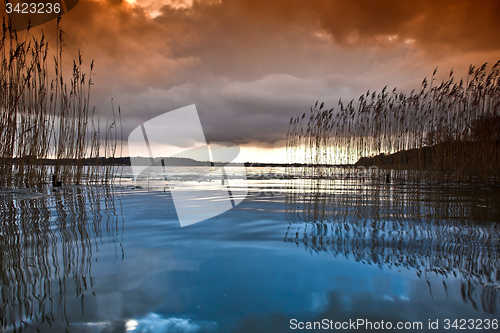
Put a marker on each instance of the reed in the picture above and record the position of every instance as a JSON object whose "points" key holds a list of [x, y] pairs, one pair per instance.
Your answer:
{"points": [[446, 131], [43, 117]]}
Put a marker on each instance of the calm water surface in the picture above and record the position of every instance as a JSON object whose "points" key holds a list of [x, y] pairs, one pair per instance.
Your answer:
{"points": [[98, 259]]}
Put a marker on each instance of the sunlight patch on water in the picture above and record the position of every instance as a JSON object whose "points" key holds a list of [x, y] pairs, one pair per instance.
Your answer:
{"points": [[155, 323]]}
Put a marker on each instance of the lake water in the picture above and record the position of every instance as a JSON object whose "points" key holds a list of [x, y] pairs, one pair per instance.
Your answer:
{"points": [[294, 252]]}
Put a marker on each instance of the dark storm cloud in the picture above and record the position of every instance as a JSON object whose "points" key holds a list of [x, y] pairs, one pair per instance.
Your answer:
{"points": [[249, 65], [462, 24]]}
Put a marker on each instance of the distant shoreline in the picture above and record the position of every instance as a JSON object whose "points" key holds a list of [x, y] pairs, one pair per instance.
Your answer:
{"points": [[169, 161]]}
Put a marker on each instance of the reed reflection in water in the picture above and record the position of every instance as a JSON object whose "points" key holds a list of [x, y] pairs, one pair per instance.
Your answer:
{"points": [[448, 231], [47, 242]]}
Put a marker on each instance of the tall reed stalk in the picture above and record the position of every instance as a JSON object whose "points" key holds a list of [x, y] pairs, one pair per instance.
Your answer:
{"points": [[42, 117], [451, 130]]}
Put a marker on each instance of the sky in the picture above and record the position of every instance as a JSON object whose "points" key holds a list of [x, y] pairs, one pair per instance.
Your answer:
{"points": [[250, 65]]}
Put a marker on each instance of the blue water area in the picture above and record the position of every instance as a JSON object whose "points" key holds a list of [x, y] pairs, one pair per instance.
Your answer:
{"points": [[291, 255]]}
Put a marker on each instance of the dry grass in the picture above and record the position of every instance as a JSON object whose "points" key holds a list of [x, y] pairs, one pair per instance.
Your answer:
{"points": [[42, 117], [459, 121]]}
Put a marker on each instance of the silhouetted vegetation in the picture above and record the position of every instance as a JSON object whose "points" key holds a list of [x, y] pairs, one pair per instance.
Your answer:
{"points": [[450, 130], [42, 116]]}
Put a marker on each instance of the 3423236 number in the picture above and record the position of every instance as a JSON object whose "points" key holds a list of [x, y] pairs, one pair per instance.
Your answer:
{"points": [[33, 8], [471, 324]]}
